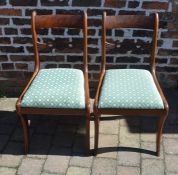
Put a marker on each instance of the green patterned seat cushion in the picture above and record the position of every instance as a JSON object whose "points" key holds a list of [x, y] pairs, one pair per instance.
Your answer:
{"points": [[129, 88], [56, 88]]}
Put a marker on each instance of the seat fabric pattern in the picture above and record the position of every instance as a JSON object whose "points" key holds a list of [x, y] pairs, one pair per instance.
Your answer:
{"points": [[129, 89], [56, 88]]}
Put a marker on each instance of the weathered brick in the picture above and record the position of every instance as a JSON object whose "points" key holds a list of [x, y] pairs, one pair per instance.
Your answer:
{"points": [[23, 3], [6, 66], [21, 66], [104, 166], [3, 58], [95, 12], [127, 60], [22, 40], [8, 49], [86, 3], [11, 12], [4, 21], [169, 34], [155, 5], [133, 4], [10, 31], [54, 3], [28, 12], [114, 4], [5, 40], [21, 21]]}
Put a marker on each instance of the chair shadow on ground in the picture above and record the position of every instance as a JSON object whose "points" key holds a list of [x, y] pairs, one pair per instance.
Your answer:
{"points": [[56, 135]]}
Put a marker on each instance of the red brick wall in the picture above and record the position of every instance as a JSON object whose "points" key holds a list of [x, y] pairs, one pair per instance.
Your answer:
{"points": [[64, 47]]}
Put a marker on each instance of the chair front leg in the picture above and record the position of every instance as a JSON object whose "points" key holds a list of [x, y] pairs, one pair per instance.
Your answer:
{"points": [[97, 120], [161, 122], [24, 122]]}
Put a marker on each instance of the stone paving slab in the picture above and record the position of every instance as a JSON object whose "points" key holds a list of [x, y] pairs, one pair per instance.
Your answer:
{"points": [[126, 146]]}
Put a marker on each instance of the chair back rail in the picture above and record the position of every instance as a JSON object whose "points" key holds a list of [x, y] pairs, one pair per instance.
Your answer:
{"points": [[59, 21], [130, 21]]}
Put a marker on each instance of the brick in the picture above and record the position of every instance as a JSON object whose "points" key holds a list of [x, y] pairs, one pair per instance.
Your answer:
{"points": [[96, 12], [109, 127], [11, 12], [21, 66], [175, 44], [32, 166], [142, 33], [78, 171], [74, 58], [108, 141], [170, 146], [167, 52], [3, 2], [8, 160], [11, 49], [71, 11], [57, 163], [104, 166], [127, 59], [7, 171], [154, 167], [54, 3], [130, 12], [57, 58], [10, 31], [22, 40], [28, 12], [73, 31], [21, 58], [169, 34], [155, 5], [129, 139], [3, 58], [114, 4], [171, 163], [133, 4], [4, 21], [128, 170], [21, 21], [7, 66], [86, 3], [81, 161], [128, 158], [5, 40], [23, 3]]}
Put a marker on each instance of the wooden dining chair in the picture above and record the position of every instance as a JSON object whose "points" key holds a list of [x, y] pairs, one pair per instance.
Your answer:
{"points": [[56, 91], [130, 92]]}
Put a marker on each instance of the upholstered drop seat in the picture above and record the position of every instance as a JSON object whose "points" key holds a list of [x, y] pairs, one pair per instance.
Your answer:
{"points": [[56, 88], [129, 89]]}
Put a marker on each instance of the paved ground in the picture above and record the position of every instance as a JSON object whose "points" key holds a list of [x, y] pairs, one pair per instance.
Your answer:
{"points": [[127, 145]]}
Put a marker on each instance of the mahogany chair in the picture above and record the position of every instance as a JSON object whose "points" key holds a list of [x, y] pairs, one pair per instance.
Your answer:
{"points": [[56, 91], [130, 92]]}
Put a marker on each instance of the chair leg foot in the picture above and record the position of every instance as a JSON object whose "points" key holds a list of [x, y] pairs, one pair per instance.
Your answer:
{"points": [[96, 134], [24, 123], [161, 122], [87, 139]]}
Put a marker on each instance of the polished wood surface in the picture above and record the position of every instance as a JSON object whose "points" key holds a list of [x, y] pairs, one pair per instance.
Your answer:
{"points": [[57, 21], [131, 21]]}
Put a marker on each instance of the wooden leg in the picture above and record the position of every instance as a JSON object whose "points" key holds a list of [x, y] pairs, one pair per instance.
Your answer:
{"points": [[96, 134], [87, 140], [159, 133], [24, 123]]}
